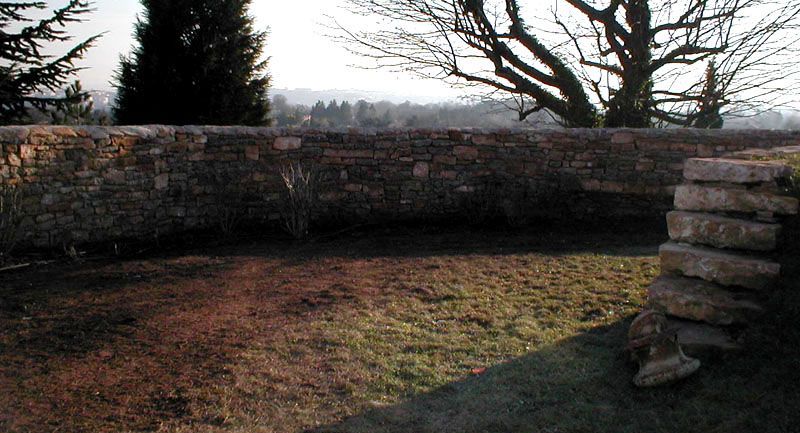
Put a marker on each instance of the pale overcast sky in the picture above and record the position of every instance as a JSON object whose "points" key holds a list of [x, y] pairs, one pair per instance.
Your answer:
{"points": [[301, 56]]}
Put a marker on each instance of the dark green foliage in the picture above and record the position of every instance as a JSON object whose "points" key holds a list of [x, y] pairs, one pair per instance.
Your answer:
{"points": [[285, 114], [334, 114], [78, 110], [319, 115], [25, 70], [367, 116], [346, 113], [197, 62]]}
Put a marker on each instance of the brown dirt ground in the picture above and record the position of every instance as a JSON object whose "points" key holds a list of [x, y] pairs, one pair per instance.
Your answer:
{"points": [[166, 343]]}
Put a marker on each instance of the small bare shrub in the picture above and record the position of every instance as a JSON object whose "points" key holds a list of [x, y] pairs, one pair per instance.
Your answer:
{"points": [[301, 198], [502, 199], [231, 211], [481, 205], [230, 204], [515, 210], [10, 218]]}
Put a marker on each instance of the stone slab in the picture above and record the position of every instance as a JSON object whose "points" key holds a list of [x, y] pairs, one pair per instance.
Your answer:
{"points": [[734, 170], [717, 199], [701, 340], [701, 301], [287, 143], [725, 268], [771, 153], [722, 232]]}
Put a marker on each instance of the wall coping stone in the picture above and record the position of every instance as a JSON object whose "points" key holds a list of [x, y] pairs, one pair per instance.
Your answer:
{"points": [[21, 132]]}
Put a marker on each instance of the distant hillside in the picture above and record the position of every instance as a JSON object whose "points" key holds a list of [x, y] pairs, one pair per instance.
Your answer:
{"points": [[769, 120], [103, 101], [310, 97]]}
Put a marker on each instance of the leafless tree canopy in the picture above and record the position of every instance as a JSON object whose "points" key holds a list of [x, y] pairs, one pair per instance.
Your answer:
{"points": [[635, 63]]}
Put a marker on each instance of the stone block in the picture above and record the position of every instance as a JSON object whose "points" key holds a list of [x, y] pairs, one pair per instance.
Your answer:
{"points": [[722, 232], [717, 199], [348, 153], [251, 153], [484, 139], [465, 152], [287, 143], [702, 301], [161, 181], [701, 340], [727, 269], [734, 170], [14, 160], [421, 169], [116, 177]]}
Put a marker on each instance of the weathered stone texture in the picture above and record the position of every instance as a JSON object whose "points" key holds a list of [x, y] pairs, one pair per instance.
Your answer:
{"points": [[702, 340], [702, 301], [98, 183], [719, 199], [727, 269], [722, 232], [734, 171]]}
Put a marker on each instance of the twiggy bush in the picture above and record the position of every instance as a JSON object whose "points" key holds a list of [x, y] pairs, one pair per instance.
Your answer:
{"points": [[10, 218], [481, 206], [231, 206], [301, 198]]}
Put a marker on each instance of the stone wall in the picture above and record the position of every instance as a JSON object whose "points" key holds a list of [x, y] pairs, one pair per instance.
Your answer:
{"points": [[98, 183]]}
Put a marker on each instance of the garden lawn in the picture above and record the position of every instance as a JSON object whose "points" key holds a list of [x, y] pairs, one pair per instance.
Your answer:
{"points": [[384, 331]]}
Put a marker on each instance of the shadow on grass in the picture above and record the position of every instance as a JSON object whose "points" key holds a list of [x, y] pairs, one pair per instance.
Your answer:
{"points": [[41, 308], [583, 384], [85, 327], [629, 238]]}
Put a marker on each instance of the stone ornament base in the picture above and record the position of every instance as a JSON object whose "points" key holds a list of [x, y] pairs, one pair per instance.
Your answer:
{"points": [[655, 347]]}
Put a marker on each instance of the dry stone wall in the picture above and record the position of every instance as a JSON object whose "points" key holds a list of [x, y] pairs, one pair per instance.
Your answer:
{"points": [[98, 183]]}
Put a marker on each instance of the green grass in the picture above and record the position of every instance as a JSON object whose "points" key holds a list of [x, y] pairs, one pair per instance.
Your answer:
{"points": [[554, 357], [424, 331], [465, 315]]}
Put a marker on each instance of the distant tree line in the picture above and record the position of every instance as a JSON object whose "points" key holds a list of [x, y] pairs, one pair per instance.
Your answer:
{"points": [[387, 114]]}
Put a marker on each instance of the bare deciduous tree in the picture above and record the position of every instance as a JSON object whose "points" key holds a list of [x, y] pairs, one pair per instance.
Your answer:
{"points": [[614, 63]]}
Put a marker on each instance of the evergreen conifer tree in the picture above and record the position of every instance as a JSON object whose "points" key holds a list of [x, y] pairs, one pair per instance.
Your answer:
{"points": [[78, 112], [346, 113], [197, 62], [26, 72], [332, 113], [318, 115]]}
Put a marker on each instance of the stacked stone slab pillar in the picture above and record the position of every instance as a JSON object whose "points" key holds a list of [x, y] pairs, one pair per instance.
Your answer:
{"points": [[719, 265]]}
